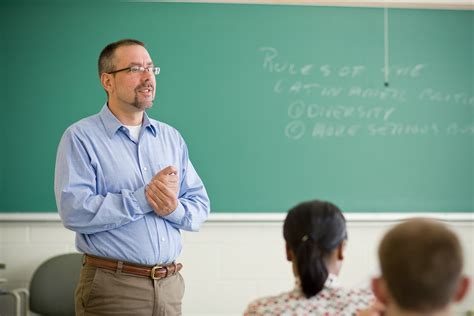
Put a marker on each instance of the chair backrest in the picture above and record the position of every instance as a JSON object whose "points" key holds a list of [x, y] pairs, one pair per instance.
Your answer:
{"points": [[53, 284]]}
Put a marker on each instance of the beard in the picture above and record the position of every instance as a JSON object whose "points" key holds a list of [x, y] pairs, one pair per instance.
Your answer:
{"points": [[143, 104]]}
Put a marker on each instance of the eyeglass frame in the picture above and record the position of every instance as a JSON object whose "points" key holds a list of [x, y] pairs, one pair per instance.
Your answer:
{"points": [[139, 69]]}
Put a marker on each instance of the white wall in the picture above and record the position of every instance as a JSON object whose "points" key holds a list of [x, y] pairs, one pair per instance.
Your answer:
{"points": [[226, 264]]}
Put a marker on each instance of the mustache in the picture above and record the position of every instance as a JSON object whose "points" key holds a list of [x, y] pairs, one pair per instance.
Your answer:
{"points": [[145, 86]]}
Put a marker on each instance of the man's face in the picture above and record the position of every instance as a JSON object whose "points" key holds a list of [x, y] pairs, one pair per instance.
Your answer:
{"points": [[132, 90]]}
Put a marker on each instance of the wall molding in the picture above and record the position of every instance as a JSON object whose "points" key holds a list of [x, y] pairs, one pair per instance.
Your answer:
{"points": [[267, 217], [403, 4]]}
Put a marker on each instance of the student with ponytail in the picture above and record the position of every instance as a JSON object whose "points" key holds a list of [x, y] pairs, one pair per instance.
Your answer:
{"points": [[315, 235]]}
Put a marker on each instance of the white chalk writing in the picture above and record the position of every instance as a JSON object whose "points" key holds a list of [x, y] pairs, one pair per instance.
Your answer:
{"points": [[458, 129], [299, 109], [399, 129], [272, 63], [430, 94], [342, 100], [378, 93], [405, 71], [322, 130]]}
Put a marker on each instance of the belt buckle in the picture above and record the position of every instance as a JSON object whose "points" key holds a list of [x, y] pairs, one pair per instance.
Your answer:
{"points": [[152, 273]]}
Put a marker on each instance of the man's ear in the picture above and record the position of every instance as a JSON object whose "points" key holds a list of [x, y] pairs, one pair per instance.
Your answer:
{"points": [[341, 250], [289, 253], [462, 290], [379, 288], [106, 81]]}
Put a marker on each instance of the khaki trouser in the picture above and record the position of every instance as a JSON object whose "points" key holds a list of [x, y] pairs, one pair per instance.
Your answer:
{"points": [[105, 292]]}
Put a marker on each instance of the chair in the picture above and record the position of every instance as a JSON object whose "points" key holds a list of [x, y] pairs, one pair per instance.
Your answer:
{"points": [[11, 300], [53, 284]]}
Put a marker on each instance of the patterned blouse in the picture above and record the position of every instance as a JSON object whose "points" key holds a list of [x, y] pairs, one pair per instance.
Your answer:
{"points": [[331, 301]]}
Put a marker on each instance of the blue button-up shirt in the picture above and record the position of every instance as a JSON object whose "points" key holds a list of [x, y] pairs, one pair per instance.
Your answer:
{"points": [[100, 179]]}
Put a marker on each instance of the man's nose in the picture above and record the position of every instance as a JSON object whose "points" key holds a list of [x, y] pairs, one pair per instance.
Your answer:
{"points": [[148, 75], [148, 79]]}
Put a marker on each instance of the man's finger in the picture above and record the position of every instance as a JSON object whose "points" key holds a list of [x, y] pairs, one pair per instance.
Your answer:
{"points": [[150, 198], [164, 190], [160, 204], [169, 170]]}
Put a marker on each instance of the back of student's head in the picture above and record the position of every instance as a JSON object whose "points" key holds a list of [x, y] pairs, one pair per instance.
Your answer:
{"points": [[312, 230], [421, 262]]}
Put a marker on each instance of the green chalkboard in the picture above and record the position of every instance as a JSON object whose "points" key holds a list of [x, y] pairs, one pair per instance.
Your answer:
{"points": [[278, 104]]}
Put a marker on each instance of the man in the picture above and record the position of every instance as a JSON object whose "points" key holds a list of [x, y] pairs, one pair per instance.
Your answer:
{"points": [[124, 183], [421, 262]]}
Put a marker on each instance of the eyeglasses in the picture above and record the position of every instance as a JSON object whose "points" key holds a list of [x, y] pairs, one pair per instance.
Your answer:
{"points": [[138, 69]]}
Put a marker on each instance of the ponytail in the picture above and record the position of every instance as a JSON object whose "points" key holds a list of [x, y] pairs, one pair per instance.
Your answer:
{"points": [[311, 267]]}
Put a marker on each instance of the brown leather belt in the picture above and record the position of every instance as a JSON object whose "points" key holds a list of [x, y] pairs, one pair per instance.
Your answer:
{"points": [[155, 272]]}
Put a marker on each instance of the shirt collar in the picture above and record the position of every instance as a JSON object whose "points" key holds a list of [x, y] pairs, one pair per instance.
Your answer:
{"points": [[149, 124], [112, 124], [331, 281]]}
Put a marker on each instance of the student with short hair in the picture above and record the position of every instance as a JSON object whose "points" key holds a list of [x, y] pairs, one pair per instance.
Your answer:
{"points": [[421, 262], [316, 236]]}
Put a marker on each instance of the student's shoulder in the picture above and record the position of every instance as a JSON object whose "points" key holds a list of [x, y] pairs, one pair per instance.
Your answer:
{"points": [[352, 292], [350, 300], [364, 293], [262, 306], [272, 305]]}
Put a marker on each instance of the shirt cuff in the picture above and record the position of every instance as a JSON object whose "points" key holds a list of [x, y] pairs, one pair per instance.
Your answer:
{"points": [[177, 215], [142, 201]]}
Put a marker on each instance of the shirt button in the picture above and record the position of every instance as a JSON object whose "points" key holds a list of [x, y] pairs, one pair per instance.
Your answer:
{"points": [[162, 238], [145, 169]]}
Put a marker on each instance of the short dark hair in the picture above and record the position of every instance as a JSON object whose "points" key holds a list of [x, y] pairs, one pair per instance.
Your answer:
{"points": [[312, 230], [421, 261], [106, 63]]}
